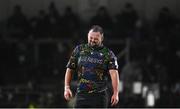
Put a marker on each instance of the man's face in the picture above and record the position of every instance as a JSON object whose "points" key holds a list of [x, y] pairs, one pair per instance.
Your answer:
{"points": [[94, 38]]}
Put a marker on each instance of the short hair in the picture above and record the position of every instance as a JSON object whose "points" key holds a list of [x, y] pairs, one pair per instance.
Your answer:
{"points": [[97, 28]]}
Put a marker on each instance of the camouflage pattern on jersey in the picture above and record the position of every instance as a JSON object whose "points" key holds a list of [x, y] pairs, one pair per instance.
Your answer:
{"points": [[92, 66]]}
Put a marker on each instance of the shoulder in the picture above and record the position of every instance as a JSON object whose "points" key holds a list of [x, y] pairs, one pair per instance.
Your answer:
{"points": [[80, 47], [107, 50], [83, 47]]}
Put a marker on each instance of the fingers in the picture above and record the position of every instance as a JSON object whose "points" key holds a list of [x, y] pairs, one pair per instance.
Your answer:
{"points": [[114, 101], [67, 94]]}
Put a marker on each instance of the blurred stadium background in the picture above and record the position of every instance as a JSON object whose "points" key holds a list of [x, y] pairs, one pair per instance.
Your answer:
{"points": [[38, 36]]}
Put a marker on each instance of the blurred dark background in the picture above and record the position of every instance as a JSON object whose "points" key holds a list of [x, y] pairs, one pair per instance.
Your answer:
{"points": [[38, 36]]}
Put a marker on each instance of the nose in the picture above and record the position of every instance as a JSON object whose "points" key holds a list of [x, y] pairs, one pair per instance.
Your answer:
{"points": [[92, 40]]}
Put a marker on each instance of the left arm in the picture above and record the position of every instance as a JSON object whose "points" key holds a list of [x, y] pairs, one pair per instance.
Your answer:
{"points": [[115, 84]]}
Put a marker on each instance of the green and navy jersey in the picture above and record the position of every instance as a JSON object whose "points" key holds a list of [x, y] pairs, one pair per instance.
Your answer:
{"points": [[92, 66]]}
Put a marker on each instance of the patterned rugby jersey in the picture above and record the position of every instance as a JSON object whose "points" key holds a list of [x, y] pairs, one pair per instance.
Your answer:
{"points": [[92, 66]]}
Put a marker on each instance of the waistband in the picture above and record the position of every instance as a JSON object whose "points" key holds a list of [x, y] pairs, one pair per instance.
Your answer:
{"points": [[104, 92]]}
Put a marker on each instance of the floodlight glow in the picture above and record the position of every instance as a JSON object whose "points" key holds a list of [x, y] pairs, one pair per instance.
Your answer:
{"points": [[150, 99]]}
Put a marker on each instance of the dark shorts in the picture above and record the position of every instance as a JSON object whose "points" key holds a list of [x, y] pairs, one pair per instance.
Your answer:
{"points": [[97, 100]]}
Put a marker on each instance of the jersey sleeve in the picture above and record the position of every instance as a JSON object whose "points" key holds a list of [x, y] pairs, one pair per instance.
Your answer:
{"points": [[113, 64], [72, 63]]}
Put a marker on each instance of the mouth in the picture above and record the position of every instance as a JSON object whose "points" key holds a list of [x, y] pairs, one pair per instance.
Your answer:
{"points": [[93, 44]]}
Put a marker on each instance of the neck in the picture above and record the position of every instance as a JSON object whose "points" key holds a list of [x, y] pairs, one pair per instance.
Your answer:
{"points": [[96, 46]]}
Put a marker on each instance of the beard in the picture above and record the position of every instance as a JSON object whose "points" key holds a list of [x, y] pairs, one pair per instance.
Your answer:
{"points": [[94, 45]]}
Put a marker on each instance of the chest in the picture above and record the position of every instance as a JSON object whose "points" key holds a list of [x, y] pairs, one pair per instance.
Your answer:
{"points": [[92, 59]]}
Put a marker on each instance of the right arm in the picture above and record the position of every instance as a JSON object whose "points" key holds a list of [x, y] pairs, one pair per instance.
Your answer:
{"points": [[71, 66], [67, 81]]}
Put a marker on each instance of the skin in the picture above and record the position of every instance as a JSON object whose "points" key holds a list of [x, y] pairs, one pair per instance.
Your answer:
{"points": [[94, 39], [68, 78], [115, 84]]}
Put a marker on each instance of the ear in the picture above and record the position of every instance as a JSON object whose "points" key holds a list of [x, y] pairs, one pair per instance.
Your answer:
{"points": [[102, 37]]}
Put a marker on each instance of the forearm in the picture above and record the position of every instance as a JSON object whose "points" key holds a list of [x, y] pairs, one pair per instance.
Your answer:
{"points": [[115, 87], [68, 77], [115, 81]]}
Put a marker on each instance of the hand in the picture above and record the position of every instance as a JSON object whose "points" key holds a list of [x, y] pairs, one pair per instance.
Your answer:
{"points": [[114, 99], [67, 94]]}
